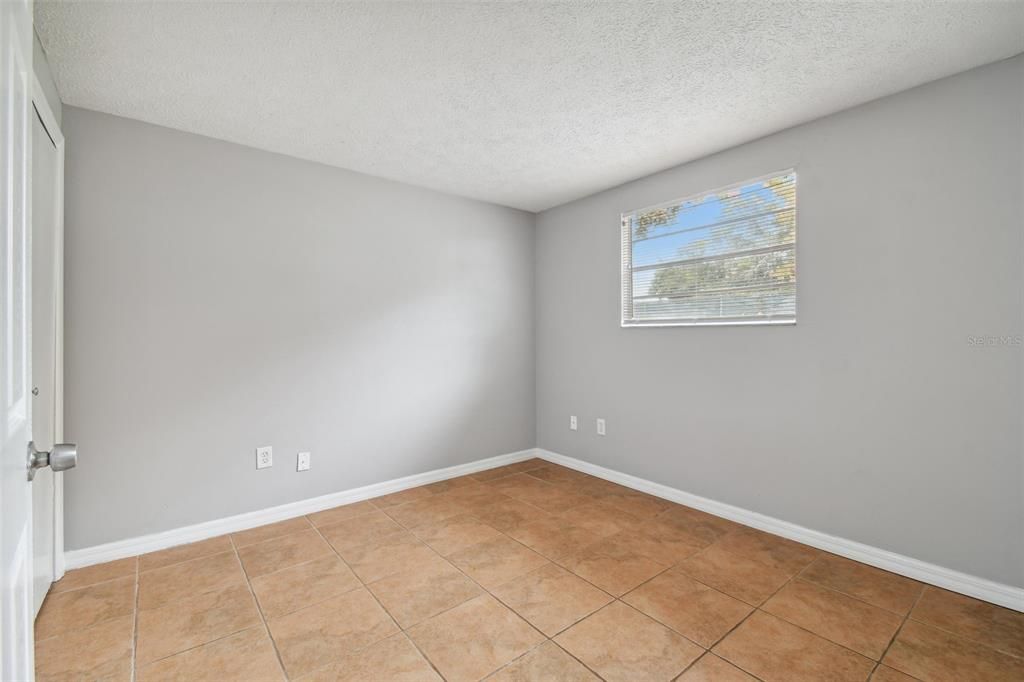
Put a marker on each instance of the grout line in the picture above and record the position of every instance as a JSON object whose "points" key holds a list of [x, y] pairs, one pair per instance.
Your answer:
{"points": [[896, 634], [95, 584], [573, 656], [211, 641], [365, 586], [847, 595], [714, 655], [517, 658], [753, 611], [259, 609], [564, 486], [486, 590], [184, 561], [957, 635]]}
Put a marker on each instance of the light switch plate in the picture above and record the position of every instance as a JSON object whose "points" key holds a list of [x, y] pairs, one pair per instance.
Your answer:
{"points": [[302, 461], [600, 427]]}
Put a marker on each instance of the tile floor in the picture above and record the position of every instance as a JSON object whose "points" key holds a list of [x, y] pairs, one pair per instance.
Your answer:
{"points": [[526, 572]]}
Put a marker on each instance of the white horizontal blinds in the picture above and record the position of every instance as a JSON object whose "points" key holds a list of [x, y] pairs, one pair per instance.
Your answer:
{"points": [[723, 256]]}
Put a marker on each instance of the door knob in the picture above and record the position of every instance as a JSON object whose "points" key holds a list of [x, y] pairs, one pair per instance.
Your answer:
{"points": [[62, 457]]}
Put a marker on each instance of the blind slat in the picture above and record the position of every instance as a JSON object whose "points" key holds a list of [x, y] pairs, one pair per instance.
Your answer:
{"points": [[725, 256]]}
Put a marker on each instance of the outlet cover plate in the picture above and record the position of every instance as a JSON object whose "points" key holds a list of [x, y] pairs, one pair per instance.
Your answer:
{"points": [[302, 461], [264, 457]]}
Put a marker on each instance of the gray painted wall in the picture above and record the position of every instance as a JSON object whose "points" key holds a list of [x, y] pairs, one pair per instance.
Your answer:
{"points": [[874, 418], [220, 298]]}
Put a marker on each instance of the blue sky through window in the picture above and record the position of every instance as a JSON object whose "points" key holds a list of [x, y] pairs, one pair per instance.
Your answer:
{"points": [[698, 220]]}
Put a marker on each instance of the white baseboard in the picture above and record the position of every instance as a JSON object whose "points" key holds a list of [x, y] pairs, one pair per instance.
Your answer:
{"points": [[964, 583], [988, 590], [121, 549]]}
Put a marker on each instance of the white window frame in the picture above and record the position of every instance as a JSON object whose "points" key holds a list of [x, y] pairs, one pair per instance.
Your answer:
{"points": [[626, 258]]}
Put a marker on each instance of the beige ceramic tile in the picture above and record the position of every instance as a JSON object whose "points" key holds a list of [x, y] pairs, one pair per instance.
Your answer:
{"points": [[664, 545], [772, 649], [478, 496], [930, 654], [554, 537], [474, 639], [558, 500], [282, 552], [176, 555], [508, 514], [546, 662], [361, 530], [428, 510], [299, 586], [179, 581], [621, 644], [394, 659], [321, 634], [91, 575], [533, 463], [342, 513], [193, 621], [517, 484], [701, 525], [269, 532], [883, 589], [455, 533], [543, 495], [489, 475], [599, 488], [81, 608], [423, 590], [612, 567], [497, 561], [991, 625], [601, 519], [100, 652], [401, 497], [735, 575], [507, 470], [394, 554], [768, 550], [451, 484], [246, 656], [692, 609], [553, 473], [885, 674], [711, 668], [844, 620], [551, 598], [638, 504]]}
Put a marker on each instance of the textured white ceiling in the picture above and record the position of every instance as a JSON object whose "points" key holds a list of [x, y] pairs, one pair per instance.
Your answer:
{"points": [[527, 104]]}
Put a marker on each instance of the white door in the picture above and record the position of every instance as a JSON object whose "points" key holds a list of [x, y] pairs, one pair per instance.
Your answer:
{"points": [[46, 186], [16, 655]]}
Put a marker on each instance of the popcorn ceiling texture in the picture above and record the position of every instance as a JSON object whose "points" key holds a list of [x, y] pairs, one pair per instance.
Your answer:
{"points": [[524, 104]]}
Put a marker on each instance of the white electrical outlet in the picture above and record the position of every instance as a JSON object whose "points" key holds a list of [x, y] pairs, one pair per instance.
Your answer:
{"points": [[600, 427], [302, 462], [264, 457], [572, 423]]}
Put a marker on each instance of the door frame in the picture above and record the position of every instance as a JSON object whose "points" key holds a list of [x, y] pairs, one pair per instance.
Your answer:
{"points": [[45, 113], [17, 653]]}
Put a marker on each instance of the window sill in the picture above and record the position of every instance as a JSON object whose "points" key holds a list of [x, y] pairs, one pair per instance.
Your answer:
{"points": [[710, 323]]}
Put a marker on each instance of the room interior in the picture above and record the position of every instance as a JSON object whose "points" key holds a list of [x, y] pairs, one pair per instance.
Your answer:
{"points": [[515, 341]]}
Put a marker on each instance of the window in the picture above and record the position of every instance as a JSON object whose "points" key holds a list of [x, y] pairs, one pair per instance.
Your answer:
{"points": [[727, 256]]}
